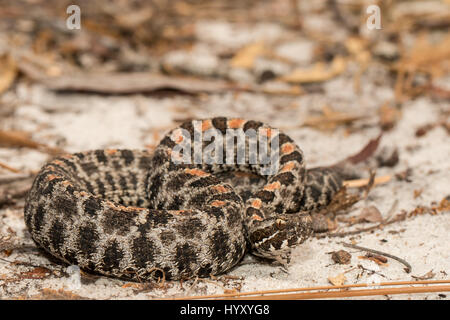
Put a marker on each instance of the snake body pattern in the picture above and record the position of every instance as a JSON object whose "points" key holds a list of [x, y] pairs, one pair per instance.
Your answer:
{"points": [[136, 214]]}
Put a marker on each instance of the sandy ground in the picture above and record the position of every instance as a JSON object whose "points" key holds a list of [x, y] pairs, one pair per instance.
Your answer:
{"points": [[79, 122]]}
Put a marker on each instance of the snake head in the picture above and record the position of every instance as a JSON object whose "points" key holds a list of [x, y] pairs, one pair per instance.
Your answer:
{"points": [[274, 237]]}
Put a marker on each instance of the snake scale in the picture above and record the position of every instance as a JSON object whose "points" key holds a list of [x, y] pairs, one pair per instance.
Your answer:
{"points": [[137, 214]]}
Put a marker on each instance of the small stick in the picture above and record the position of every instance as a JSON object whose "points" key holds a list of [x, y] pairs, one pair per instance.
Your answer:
{"points": [[7, 167], [370, 184], [364, 182], [408, 266], [192, 286]]}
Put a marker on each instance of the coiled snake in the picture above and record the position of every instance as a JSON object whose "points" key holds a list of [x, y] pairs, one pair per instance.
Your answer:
{"points": [[136, 214]]}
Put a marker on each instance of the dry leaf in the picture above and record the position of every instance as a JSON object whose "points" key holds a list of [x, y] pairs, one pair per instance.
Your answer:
{"points": [[8, 72], [230, 291], [132, 20], [341, 257], [318, 73], [36, 273], [133, 285], [358, 49], [429, 275], [245, 57], [50, 294], [339, 280], [417, 193], [331, 119], [389, 116], [370, 214], [423, 57]]}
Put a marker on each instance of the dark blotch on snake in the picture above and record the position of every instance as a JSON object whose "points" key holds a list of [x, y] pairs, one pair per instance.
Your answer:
{"points": [[66, 204], [92, 205], [113, 256], [57, 232], [117, 221], [128, 156], [100, 154], [87, 238], [185, 256]]}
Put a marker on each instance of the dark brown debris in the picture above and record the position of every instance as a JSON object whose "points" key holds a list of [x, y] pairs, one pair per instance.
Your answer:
{"points": [[341, 257]]}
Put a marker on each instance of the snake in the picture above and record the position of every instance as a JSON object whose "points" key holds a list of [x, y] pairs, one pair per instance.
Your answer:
{"points": [[191, 207]]}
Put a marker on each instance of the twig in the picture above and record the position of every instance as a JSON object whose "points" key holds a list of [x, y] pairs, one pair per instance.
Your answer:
{"points": [[192, 286], [391, 211], [7, 167], [364, 182], [370, 184], [408, 266]]}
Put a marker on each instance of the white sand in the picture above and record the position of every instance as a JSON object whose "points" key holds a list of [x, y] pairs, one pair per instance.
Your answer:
{"points": [[81, 122]]}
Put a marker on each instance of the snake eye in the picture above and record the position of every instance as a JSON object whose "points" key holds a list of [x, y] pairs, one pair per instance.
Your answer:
{"points": [[280, 223], [257, 236]]}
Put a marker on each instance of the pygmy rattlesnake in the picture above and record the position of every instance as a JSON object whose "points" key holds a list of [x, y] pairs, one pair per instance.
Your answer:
{"points": [[135, 214]]}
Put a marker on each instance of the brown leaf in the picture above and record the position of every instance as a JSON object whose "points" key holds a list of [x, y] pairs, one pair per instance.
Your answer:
{"points": [[341, 257], [133, 19], [338, 280], [417, 193], [370, 214], [331, 119], [230, 291], [8, 72], [366, 152], [50, 294], [318, 73], [245, 57], [389, 115], [429, 275], [424, 57], [36, 273]]}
